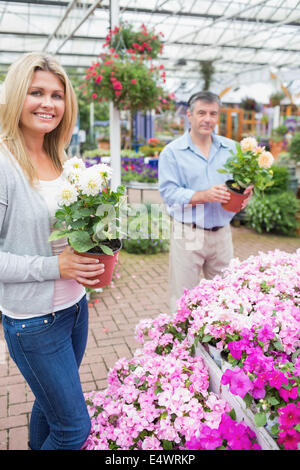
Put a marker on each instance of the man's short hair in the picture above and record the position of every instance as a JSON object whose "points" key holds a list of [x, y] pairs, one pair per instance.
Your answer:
{"points": [[207, 96]]}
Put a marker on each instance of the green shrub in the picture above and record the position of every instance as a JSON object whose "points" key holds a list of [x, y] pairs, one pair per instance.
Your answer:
{"points": [[281, 178], [147, 232], [294, 147], [274, 213]]}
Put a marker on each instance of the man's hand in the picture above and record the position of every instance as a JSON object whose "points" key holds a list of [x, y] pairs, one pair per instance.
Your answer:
{"points": [[249, 191], [217, 193]]}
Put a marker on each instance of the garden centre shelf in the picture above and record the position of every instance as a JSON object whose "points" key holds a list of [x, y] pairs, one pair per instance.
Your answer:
{"points": [[242, 412]]}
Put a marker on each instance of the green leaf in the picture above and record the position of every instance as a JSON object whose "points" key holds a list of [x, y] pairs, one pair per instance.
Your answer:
{"points": [[247, 399], [106, 250], [260, 419], [297, 427], [273, 401], [167, 445], [206, 338], [232, 414], [278, 346], [81, 241], [60, 214], [83, 212], [57, 234], [275, 429]]}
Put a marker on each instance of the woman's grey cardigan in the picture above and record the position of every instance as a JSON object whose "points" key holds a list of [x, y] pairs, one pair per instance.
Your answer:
{"points": [[27, 267]]}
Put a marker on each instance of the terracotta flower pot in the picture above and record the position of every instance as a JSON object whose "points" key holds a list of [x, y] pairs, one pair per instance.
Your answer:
{"points": [[236, 198], [109, 262]]}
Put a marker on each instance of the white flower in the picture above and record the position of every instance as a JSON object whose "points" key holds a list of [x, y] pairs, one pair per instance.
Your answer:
{"points": [[105, 171], [249, 144], [67, 195], [90, 182], [265, 160], [73, 168]]}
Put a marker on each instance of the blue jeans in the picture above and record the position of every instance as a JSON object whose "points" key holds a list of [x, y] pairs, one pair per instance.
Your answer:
{"points": [[48, 351]]}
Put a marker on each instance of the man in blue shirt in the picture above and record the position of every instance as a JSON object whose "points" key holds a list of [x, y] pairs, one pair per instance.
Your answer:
{"points": [[193, 191]]}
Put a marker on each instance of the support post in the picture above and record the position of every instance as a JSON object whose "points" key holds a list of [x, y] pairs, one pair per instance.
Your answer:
{"points": [[114, 116]]}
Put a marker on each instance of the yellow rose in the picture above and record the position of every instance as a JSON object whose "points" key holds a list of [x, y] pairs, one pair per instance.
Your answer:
{"points": [[265, 160], [249, 144]]}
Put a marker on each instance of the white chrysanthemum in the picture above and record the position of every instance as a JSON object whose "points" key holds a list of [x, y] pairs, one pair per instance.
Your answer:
{"points": [[105, 171], [249, 144], [73, 175], [73, 168], [67, 195], [74, 162], [265, 160], [90, 182]]}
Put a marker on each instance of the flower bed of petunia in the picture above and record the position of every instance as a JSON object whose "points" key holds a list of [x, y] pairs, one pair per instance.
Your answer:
{"points": [[252, 315], [161, 402]]}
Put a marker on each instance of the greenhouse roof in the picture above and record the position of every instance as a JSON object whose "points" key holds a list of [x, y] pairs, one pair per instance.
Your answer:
{"points": [[248, 41]]}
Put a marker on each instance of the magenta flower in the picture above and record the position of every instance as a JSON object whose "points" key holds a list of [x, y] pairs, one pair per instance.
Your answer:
{"points": [[210, 438], [277, 379], [193, 444], [289, 438], [265, 333], [289, 416], [240, 439], [239, 383], [259, 387], [289, 394], [236, 348]]}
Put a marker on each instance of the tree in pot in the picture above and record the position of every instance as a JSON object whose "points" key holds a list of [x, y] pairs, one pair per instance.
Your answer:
{"points": [[89, 214], [249, 166]]}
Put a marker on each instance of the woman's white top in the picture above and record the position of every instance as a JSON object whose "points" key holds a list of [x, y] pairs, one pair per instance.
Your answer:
{"points": [[67, 292]]}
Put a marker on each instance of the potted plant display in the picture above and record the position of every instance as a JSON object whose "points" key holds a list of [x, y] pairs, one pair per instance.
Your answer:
{"points": [[248, 167], [88, 214]]}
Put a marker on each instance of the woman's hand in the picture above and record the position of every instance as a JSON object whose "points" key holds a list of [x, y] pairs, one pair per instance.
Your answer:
{"points": [[80, 268]]}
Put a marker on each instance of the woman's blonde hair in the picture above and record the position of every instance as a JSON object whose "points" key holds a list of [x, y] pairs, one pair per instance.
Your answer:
{"points": [[15, 88]]}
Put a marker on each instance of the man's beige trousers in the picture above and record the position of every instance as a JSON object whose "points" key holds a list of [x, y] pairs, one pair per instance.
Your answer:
{"points": [[193, 251]]}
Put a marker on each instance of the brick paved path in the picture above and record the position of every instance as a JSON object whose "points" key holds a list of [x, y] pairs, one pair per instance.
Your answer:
{"points": [[140, 292]]}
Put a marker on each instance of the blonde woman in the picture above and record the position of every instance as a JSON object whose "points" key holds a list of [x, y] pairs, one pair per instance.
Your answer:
{"points": [[43, 304]]}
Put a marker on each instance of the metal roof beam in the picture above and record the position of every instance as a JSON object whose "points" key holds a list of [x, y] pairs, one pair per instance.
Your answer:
{"points": [[149, 11], [178, 43], [71, 5]]}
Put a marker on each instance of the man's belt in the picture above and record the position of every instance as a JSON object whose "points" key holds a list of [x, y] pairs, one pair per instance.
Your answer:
{"points": [[212, 229]]}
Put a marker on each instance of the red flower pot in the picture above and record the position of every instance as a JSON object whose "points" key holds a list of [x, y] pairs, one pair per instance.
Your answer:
{"points": [[109, 262], [236, 200]]}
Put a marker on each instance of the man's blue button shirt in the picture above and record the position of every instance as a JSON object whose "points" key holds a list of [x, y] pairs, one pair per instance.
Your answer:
{"points": [[183, 170]]}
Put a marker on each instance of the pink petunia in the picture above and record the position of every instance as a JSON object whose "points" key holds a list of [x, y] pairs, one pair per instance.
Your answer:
{"points": [[277, 379], [288, 394], [210, 438], [289, 438], [289, 416], [239, 383]]}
